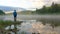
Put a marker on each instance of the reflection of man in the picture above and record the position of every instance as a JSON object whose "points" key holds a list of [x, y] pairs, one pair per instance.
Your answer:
{"points": [[15, 15]]}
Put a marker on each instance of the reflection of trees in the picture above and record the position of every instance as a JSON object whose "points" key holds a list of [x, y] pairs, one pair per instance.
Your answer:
{"points": [[54, 23]]}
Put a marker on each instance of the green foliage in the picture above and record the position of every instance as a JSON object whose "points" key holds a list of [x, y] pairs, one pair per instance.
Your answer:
{"points": [[1, 12], [5, 23], [54, 9]]}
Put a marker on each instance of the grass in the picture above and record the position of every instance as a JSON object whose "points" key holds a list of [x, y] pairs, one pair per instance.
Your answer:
{"points": [[4, 24]]}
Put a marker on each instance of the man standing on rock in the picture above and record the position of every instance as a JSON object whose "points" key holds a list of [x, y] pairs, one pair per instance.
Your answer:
{"points": [[15, 15]]}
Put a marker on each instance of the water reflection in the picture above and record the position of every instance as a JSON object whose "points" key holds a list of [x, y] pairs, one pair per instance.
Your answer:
{"points": [[33, 26], [41, 24], [37, 27]]}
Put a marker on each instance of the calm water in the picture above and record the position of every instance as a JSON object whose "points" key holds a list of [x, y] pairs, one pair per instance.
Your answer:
{"points": [[31, 17], [33, 24]]}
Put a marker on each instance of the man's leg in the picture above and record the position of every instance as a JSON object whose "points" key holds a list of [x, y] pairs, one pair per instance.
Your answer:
{"points": [[15, 19]]}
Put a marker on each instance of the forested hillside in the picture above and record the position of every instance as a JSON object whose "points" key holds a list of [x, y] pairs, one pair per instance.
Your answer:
{"points": [[53, 9]]}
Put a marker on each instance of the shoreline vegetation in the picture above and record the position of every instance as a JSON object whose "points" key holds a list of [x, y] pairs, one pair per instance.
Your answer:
{"points": [[8, 22], [4, 24], [44, 21]]}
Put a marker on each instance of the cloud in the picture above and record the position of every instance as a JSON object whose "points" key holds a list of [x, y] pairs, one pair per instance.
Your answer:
{"points": [[28, 3]]}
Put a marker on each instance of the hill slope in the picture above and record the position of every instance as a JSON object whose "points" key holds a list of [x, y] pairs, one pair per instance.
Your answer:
{"points": [[7, 8], [1, 12]]}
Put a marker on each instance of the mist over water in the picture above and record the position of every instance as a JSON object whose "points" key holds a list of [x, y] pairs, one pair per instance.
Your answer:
{"points": [[30, 17]]}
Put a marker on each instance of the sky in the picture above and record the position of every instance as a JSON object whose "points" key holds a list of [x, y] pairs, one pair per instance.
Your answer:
{"points": [[27, 4]]}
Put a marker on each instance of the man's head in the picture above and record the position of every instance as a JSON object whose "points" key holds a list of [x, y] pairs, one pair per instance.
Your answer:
{"points": [[14, 10]]}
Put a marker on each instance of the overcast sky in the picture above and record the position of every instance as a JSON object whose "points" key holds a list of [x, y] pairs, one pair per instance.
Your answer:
{"points": [[28, 4]]}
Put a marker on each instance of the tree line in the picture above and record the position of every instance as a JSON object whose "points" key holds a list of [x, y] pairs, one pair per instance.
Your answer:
{"points": [[53, 9]]}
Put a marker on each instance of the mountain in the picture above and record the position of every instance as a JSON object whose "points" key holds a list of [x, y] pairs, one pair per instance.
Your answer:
{"points": [[8, 8]]}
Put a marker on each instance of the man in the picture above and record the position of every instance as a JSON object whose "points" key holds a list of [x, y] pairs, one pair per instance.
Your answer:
{"points": [[15, 15]]}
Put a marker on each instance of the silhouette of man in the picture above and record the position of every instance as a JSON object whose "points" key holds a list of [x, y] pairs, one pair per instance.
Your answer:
{"points": [[15, 15]]}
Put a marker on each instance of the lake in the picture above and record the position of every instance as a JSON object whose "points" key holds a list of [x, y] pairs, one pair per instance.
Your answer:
{"points": [[34, 23]]}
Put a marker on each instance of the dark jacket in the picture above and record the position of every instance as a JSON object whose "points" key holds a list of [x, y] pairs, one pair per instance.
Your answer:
{"points": [[15, 14]]}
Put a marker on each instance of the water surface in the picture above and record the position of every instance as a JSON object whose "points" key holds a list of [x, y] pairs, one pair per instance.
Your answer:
{"points": [[33, 23]]}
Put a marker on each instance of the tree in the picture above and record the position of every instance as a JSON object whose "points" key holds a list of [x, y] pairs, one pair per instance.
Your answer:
{"points": [[1, 12], [53, 9], [44, 9]]}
